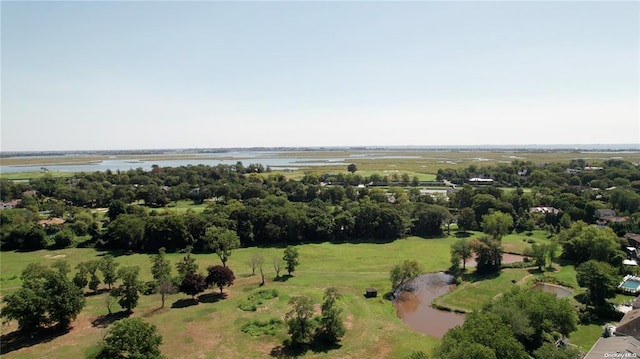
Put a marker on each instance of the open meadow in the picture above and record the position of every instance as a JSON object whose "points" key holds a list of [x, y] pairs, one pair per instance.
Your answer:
{"points": [[212, 329]]}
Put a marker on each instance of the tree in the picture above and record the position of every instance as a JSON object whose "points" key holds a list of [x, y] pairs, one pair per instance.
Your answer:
{"points": [[462, 249], [600, 279], [108, 267], [466, 219], [417, 355], [582, 242], [402, 273], [80, 278], [482, 336], [128, 292], [165, 287], [64, 239], [161, 272], [47, 297], [186, 266], [132, 338], [539, 253], [92, 268], [497, 224], [220, 276], [535, 317], [278, 263], [428, 219], [330, 328], [192, 284], [300, 321], [291, 258], [254, 262], [223, 241], [352, 168], [161, 267], [125, 232], [488, 254]]}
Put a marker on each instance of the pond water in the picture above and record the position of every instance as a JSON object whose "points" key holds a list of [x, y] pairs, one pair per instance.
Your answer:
{"points": [[558, 290], [414, 305]]}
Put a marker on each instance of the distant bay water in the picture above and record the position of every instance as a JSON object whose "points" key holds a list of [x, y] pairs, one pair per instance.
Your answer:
{"points": [[274, 160]]}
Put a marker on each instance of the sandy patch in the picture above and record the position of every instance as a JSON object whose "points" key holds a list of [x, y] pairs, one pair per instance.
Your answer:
{"points": [[349, 322], [56, 256]]}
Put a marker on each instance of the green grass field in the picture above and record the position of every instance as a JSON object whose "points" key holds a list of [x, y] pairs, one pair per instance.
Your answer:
{"points": [[212, 328]]}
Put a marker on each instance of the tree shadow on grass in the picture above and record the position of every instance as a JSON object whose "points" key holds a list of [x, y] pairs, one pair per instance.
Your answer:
{"points": [[185, 302], [463, 234], [18, 339], [477, 277], [103, 321], [285, 351], [323, 347], [212, 297], [97, 292], [282, 278]]}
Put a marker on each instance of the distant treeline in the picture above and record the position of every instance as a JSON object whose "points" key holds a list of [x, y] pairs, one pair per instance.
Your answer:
{"points": [[267, 208]]}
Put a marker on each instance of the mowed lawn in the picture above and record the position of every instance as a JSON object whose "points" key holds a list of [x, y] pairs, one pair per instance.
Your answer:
{"points": [[211, 329]]}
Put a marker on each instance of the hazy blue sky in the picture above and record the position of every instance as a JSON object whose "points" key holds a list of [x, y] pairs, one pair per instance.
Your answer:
{"points": [[129, 75]]}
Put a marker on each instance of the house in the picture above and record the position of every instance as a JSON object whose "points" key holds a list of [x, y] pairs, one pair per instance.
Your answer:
{"points": [[51, 222], [544, 210], [621, 341], [9, 205], [633, 240], [614, 347], [601, 213], [481, 181], [629, 324]]}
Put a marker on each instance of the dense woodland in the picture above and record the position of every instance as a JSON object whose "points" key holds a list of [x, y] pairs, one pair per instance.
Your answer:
{"points": [[265, 208]]}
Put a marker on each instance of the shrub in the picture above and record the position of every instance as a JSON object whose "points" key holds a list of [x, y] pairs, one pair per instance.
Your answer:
{"points": [[251, 303], [256, 328]]}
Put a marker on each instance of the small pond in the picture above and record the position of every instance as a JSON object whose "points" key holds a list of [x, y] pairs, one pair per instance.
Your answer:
{"points": [[558, 290], [413, 306]]}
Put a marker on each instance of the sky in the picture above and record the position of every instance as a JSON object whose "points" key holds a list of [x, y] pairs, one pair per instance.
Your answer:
{"points": [[93, 75]]}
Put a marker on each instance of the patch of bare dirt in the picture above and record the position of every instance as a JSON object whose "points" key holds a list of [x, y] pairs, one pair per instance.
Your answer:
{"points": [[349, 322], [56, 256]]}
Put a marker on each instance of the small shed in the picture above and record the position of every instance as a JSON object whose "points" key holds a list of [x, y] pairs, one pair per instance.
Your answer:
{"points": [[371, 292]]}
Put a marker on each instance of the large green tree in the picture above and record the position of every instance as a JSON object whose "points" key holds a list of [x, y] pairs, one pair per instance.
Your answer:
{"points": [[109, 269], [600, 279], [128, 293], [462, 249], [488, 254], [222, 241], [497, 224], [482, 336], [47, 297], [535, 317], [300, 321], [582, 242], [330, 327], [404, 272], [132, 338]]}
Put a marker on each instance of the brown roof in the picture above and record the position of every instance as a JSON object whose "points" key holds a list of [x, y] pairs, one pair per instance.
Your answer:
{"points": [[51, 221], [633, 237], [630, 324], [607, 347]]}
